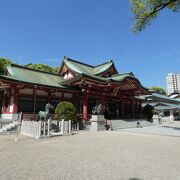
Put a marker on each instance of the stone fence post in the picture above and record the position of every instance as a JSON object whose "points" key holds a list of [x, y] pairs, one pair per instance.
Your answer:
{"points": [[69, 127], [62, 126], [48, 131], [44, 128], [39, 129]]}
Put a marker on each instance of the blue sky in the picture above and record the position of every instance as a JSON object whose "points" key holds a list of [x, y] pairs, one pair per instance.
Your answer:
{"points": [[93, 31]]}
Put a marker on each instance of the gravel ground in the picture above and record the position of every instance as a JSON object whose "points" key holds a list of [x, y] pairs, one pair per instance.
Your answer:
{"points": [[91, 156]]}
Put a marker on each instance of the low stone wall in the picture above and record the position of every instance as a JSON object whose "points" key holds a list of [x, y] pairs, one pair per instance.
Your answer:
{"points": [[9, 117], [45, 129], [161, 120], [31, 128]]}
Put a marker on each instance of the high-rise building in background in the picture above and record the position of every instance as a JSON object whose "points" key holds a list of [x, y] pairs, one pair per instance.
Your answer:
{"points": [[173, 83]]}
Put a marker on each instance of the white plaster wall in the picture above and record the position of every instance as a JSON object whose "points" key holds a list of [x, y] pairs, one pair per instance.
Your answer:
{"points": [[68, 75], [11, 117]]}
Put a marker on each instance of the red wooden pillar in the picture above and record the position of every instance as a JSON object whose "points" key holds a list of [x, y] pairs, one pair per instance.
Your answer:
{"points": [[5, 102], [84, 103], [102, 100], [34, 103], [122, 107], [1, 99], [16, 101]]}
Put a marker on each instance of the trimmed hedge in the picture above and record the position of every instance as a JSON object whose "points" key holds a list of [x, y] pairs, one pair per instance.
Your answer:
{"points": [[65, 110]]}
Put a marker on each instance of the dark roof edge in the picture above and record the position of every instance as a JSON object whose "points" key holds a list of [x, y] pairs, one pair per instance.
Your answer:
{"points": [[110, 61], [128, 73], [66, 58]]}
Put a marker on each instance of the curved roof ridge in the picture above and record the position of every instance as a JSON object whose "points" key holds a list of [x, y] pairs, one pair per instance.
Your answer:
{"points": [[79, 62], [107, 62], [80, 67], [119, 74]]}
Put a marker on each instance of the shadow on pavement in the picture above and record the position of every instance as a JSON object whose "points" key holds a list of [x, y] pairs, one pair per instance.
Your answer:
{"points": [[170, 127]]}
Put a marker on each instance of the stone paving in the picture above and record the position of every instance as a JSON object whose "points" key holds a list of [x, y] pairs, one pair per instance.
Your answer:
{"points": [[171, 129], [108, 155]]}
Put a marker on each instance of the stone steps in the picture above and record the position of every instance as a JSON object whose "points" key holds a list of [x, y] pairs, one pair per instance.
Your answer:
{"points": [[122, 124], [9, 127]]}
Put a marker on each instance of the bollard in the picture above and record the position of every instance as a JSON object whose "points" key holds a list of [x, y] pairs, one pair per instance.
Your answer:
{"points": [[69, 126], [77, 126], [59, 125], [48, 132], [62, 126], [39, 129], [44, 129], [18, 131]]}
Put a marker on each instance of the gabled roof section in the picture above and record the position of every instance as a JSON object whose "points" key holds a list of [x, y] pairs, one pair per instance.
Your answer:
{"points": [[79, 67], [159, 97], [118, 78], [31, 76]]}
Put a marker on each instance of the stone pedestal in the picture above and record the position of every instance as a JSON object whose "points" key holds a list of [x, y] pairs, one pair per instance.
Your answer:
{"points": [[97, 123], [156, 119], [171, 117]]}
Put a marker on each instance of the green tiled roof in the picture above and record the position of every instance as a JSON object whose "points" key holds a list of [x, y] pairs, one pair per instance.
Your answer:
{"points": [[120, 77], [87, 69], [149, 103], [158, 97], [170, 107], [160, 102], [115, 78], [27, 75], [162, 105]]}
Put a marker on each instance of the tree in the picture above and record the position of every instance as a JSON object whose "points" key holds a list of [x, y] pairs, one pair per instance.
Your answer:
{"points": [[148, 111], [158, 90], [65, 110], [41, 67], [56, 70], [145, 11], [3, 63]]}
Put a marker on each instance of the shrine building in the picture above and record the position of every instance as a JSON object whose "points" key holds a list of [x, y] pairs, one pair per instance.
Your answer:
{"points": [[28, 91]]}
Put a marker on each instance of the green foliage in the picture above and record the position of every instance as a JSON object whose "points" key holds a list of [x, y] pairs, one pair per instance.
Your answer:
{"points": [[65, 110], [43, 67], [158, 90], [56, 70], [145, 11], [3, 63], [148, 112]]}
